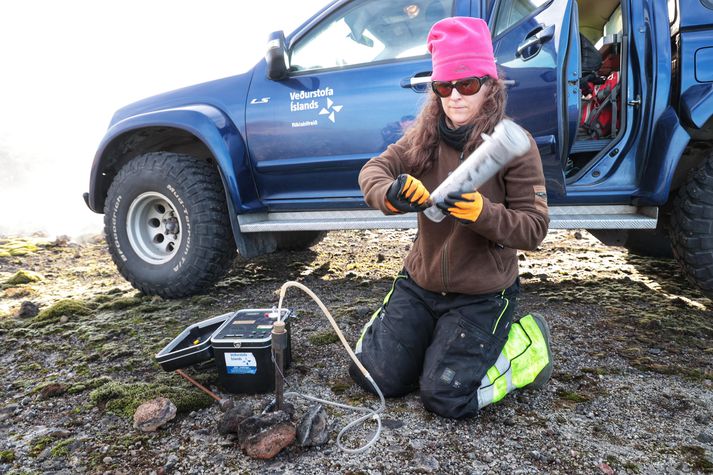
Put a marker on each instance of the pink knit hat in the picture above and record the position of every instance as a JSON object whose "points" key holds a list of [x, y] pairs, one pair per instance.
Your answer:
{"points": [[460, 47]]}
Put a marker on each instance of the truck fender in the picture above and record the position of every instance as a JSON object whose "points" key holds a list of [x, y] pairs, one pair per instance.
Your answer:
{"points": [[697, 104], [670, 141], [217, 132]]}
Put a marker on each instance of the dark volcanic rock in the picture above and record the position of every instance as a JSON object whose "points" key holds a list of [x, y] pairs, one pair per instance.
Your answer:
{"points": [[363, 311], [706, 437], [264, 436], [230, 423], [425, 463], [392, 423], [28, 309], [314, 428]]}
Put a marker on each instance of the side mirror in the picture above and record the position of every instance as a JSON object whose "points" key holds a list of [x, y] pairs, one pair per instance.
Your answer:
{"points": [[276, 56]]}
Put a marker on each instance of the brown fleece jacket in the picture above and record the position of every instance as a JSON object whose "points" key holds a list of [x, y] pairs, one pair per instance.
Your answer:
{"points": [[475, 258]]}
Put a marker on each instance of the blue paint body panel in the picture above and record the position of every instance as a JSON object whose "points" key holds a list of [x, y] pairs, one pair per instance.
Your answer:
{"points": [[697, 103], [299, 143]]}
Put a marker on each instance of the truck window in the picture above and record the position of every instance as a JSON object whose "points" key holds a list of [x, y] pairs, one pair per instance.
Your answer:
{"points": [[369, 30], [671, 11], [511, 12]]}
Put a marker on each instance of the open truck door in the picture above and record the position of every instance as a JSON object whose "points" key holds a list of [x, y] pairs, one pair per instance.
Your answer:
{"points": [[537, 50]]}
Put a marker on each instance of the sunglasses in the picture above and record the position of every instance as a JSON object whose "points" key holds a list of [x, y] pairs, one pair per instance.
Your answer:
{"points": [[465, 87]]}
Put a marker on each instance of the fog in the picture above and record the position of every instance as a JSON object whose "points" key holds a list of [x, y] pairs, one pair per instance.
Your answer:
{"points": [[67, 66]]}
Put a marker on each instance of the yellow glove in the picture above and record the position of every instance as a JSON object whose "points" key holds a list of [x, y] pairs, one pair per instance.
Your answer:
{"points": [[465, 207], [407, 194]]}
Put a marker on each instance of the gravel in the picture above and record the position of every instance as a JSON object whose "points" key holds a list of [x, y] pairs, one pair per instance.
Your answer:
{"points": [[632, 389]]}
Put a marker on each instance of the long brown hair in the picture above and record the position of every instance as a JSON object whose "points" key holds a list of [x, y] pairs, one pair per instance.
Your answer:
{"points": [[423, 137]]}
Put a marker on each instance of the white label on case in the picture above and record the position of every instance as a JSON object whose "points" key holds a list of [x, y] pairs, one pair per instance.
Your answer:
{"points": [[240, 363]]}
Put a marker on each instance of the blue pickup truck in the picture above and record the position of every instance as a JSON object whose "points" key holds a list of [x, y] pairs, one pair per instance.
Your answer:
{"points": [[617, 93]]}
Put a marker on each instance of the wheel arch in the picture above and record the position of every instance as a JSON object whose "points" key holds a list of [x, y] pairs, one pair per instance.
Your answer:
{"points": [[696, 105], [670, 140], [203, 132], [696, 108]]}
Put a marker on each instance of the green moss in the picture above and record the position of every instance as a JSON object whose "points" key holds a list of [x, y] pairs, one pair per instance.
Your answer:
{"points": [[323, 338], [114, 350], [572, 396], [123, 399], [17, 247], [39, 444], [89, 384], [597, 371], [655, 366], [25, 333], [121, 303], [103, 298], [205, 300], [61, 449], [340, 387], [32, 368], [81, 370], [131, 439], [7, 456], [697, 458], [567, 377], [63, 307], [632, 467], [149, 308], [22, 277]]}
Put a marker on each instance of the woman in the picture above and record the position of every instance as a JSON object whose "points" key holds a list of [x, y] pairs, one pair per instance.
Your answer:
{"points": [[447, 327]]}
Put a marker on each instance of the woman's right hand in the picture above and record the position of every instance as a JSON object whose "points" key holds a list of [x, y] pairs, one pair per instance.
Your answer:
{"points": [[407, 194]]}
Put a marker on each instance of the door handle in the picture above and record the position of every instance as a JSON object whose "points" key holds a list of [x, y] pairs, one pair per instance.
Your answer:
{"points": [[534, 40], [419, 82]]}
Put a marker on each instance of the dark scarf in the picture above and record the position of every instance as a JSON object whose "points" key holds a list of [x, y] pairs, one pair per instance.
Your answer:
{"points": [[454, 138]]}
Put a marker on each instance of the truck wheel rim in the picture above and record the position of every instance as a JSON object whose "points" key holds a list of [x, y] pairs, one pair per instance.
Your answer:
{"points": [[154, 227]]}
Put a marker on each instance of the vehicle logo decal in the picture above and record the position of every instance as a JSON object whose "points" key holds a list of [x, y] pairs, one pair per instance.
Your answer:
{"points": [[310, 102], [263, 100], [330, 105]]}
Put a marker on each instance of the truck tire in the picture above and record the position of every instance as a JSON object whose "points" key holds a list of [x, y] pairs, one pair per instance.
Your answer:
{"points": [[692, 227], [298, 240], [166, 224]]}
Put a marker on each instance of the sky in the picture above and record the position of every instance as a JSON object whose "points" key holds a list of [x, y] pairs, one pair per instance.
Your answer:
{"points": [[65, 67]]}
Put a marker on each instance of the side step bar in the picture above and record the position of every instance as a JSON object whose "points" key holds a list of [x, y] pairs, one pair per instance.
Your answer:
{"points": [[561, 217]]}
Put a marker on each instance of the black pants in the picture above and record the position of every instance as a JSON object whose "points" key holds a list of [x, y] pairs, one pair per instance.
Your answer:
{"points": [[442, 344]]}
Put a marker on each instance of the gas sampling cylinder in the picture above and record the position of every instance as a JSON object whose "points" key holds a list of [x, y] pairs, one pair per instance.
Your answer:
{"points": [[508, 141]]}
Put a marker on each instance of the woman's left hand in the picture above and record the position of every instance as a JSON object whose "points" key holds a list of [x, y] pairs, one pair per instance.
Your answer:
{"points": [[465, 207]]}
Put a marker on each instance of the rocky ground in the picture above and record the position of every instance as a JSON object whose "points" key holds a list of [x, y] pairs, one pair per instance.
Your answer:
{"points": [[632, 390]]}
